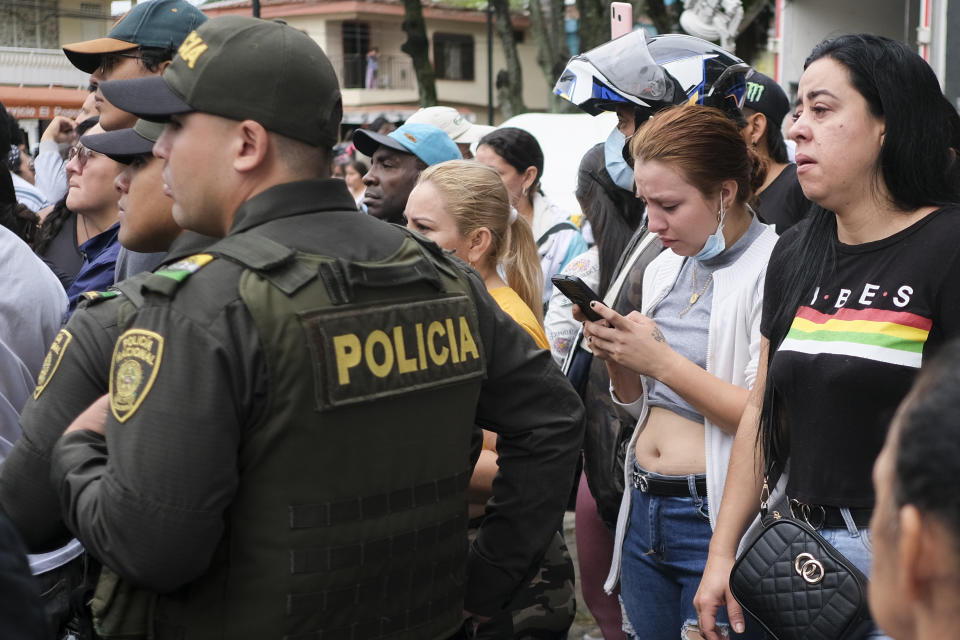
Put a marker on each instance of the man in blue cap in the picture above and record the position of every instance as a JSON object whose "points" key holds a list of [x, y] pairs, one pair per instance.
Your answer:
{"points": [[398, 159]]}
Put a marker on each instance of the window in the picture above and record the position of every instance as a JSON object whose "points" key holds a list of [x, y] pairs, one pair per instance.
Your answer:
{"points": [[356, 44], [453, 56]]}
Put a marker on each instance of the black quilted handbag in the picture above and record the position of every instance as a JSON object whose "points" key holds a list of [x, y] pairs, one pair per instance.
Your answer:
{"points": [[797, 585]]}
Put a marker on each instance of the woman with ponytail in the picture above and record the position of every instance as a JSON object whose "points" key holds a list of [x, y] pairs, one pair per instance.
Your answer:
{"points": [[518, 159], [463, 206], [858, 297], [683, 368]]}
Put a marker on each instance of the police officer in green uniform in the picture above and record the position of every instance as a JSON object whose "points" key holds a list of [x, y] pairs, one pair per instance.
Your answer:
{"points": [[75, 372], [285, 449]]}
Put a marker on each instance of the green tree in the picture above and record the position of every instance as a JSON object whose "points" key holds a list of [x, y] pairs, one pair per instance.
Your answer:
{"points": [[593, 27], [665, 18], [418, 48], [546, 23], [513, 91]]}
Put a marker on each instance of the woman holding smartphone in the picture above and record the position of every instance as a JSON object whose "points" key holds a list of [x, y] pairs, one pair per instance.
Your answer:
{"points": [[684, 366], [859, 295]]}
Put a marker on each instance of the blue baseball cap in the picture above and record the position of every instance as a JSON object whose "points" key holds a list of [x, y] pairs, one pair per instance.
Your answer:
{"points": [[425, 141]]}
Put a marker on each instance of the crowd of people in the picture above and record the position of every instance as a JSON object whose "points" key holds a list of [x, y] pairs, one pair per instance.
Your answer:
{"points": [[256, 389]]}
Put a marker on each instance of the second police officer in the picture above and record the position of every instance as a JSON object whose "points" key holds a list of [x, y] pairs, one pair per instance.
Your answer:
{"points": [[286, 444]]}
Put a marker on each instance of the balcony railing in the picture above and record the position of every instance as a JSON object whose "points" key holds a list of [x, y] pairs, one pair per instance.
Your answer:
{"points": [[39, 67], [393, 72]]}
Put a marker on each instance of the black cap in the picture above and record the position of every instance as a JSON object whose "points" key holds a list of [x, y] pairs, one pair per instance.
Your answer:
{"points": [[123, 145], [767, 97], [243, 68]]}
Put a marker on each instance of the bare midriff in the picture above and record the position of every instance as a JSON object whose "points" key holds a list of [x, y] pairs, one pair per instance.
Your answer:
{"points": [[670, 444]]}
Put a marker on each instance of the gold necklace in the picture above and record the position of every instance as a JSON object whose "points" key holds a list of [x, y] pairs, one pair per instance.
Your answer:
{"points": [[695, 295]]}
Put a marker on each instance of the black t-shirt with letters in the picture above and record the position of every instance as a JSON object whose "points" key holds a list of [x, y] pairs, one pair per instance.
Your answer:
{"points": [[854, 348]]}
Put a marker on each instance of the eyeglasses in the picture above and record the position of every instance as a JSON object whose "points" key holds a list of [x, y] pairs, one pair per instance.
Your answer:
{"points": [[81, 153], [109, 61]]}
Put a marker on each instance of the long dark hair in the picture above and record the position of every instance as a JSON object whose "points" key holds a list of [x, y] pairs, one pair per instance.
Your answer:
{"points": [[917, 164], [614, 214], [518, 148], [13, 215]]}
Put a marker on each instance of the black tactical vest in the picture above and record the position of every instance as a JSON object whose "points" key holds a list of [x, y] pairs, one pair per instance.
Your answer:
{"points": [[350, 517]]}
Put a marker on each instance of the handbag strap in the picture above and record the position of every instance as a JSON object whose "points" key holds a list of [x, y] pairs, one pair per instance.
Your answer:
{"points": [[767, 471]]}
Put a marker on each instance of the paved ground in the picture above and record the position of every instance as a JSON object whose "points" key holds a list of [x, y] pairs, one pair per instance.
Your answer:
{"points": [[584, 622]]}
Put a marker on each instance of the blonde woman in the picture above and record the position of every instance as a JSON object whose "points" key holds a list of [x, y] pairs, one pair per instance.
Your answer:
{"points": [[464, 207]]}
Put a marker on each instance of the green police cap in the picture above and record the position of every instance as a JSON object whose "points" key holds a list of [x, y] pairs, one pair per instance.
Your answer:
{"points": [[124, 145], [243, 68]]}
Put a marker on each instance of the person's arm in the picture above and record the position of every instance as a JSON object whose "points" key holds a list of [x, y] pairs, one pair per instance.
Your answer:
{"points": [[50, 172], [538, 417], [74, 375], [152, 510], [61, 129], [741, 502], [481, 481], [636, 343]]}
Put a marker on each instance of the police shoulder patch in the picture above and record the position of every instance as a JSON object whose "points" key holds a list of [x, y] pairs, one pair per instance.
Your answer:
{"points": [[97, 296], [52, 361], [136, 362], [183, 269]]}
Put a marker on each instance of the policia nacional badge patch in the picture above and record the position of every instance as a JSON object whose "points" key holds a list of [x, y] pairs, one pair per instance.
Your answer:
{"points": [[136, 361], [52, 361]]}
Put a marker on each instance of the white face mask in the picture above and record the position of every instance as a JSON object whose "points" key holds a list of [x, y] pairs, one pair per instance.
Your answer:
{"points": [[620, 172], [715, 243]]}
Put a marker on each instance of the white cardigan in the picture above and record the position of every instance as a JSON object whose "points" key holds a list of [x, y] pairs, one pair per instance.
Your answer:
{"points": [[733, 350]]}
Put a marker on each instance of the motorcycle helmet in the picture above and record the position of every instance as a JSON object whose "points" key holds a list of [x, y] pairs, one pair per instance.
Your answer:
{"points": [[652, 74]]}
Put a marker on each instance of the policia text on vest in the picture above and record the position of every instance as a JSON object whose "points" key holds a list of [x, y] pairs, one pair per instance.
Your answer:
{"points": [[408, 346]]}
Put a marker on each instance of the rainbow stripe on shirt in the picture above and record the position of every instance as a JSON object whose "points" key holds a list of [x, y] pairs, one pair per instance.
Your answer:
{"points": [[893, 337]]}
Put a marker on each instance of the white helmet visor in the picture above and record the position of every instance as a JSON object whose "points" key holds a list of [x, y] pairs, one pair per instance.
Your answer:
{"points": [[627, 64]]}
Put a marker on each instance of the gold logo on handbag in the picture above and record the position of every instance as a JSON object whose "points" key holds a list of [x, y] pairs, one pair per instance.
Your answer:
{"points": [[808, 568]]}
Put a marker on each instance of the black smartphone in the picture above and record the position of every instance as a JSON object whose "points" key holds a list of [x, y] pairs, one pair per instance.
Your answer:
{"points": [[578, 293]]}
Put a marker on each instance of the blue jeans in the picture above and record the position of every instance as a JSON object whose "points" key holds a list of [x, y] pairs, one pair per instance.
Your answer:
{"points": [[664, 553], [855, 546]]}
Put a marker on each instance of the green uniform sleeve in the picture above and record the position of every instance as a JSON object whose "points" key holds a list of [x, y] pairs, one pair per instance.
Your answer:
{"points": [[74, 374], [538, 417], [152, 510]]}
